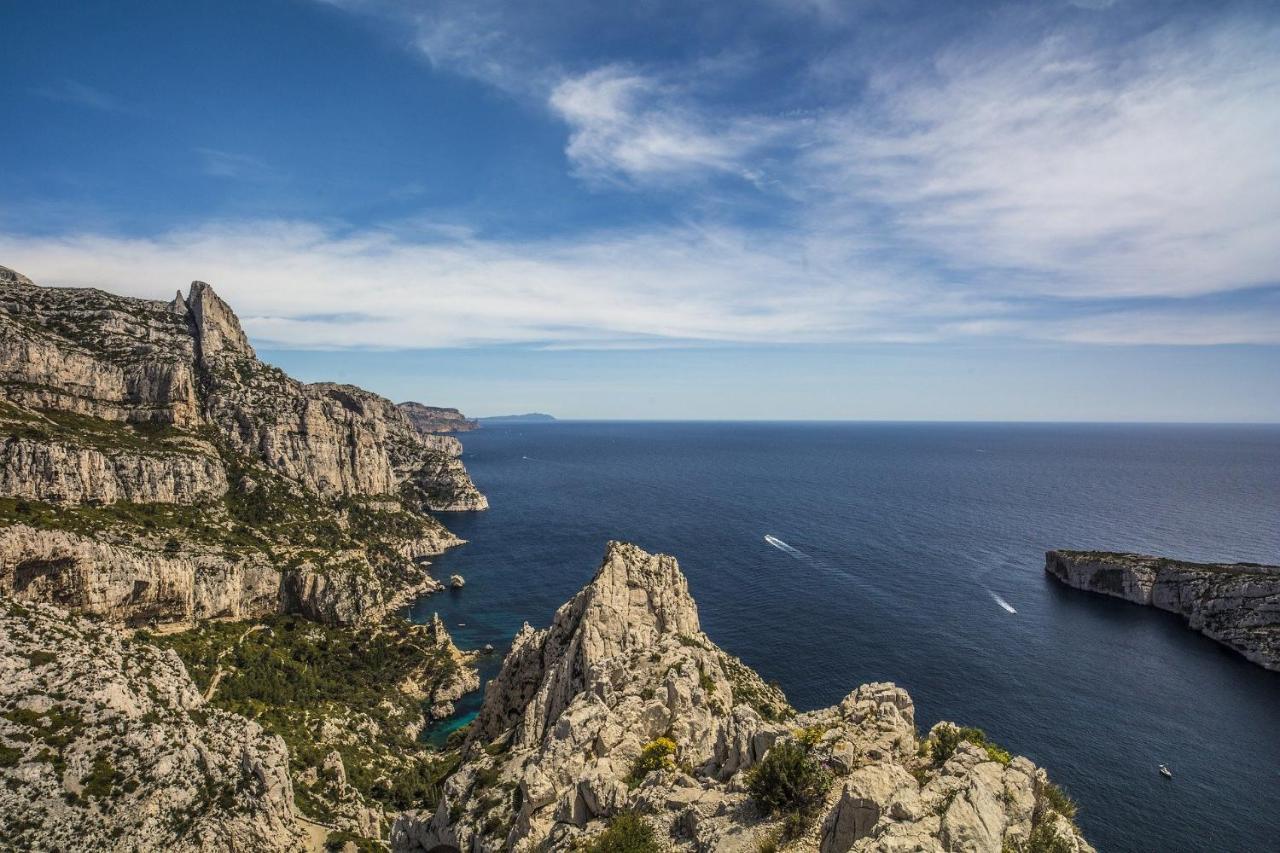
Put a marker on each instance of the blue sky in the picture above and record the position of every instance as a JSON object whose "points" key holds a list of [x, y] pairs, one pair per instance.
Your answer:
{"points": [[748, 209]]}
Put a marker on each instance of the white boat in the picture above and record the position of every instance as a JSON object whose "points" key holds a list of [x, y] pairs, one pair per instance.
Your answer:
{"points": [[1166, 772]]}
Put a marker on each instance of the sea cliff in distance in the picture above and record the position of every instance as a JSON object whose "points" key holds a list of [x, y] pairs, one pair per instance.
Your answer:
{"points": [[1237, 604], [529, 418]]}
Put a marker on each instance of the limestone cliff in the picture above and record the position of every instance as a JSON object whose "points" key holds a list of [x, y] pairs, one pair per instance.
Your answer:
{"points": [[435, 419], [168, 473], [1237, 604], [107, 745], [623, 706]]}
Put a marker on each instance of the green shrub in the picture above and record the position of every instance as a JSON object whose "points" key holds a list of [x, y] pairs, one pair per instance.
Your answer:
{"points": [[1057, 799], [788, 780], [945, 740], [627, 833], [657, 754], [1045, 839]]}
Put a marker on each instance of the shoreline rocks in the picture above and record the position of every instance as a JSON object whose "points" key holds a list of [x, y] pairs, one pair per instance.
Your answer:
{"points": [[1236, 604], [623, 705]]}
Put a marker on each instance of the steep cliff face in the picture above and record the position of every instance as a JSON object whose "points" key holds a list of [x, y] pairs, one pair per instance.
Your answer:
{"points": [[107, 745], [623, 705], [112, 409], [435, 419], [1237, 604]]}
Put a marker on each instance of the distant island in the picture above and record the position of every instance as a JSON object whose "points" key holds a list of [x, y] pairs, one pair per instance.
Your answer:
{"points": [[529, 418]]}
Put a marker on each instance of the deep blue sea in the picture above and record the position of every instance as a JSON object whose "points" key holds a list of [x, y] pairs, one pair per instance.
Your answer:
{"points": [[901, 537]]}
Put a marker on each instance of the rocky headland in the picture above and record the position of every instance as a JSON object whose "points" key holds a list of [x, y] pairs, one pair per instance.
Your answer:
{"points": [[153, 469], [436, 419], [623, 726], [1237, 604]]}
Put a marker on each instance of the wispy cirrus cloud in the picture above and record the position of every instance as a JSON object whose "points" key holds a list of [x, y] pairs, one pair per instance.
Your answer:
{"points": [[82, 95]]}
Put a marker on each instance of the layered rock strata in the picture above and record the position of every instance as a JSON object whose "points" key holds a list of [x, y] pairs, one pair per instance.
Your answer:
{"points": [[624, 668], [1237, 604], [311, 498]]}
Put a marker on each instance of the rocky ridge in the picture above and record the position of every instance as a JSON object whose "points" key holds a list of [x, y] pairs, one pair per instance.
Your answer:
{"points": [[1237, 604], [435, 419], [106, 744], [154, 468], [623, 706]]}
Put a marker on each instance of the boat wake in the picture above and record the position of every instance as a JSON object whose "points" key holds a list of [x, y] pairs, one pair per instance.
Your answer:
{"points": [[784, 547], [998, 600]]}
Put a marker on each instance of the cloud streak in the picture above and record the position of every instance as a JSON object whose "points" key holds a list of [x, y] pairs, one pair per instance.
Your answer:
{"points": [[300, 285]]}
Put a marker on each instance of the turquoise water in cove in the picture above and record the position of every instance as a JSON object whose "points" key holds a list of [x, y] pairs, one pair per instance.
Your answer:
{"points": [[900, 551]]}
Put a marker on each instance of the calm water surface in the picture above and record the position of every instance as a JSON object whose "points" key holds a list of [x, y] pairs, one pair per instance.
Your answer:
{"points": [[903, 536]]}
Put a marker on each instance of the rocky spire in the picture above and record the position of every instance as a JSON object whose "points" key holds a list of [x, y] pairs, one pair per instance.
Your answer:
{"points": [[218, 331], [178, 305], [634, 600]]}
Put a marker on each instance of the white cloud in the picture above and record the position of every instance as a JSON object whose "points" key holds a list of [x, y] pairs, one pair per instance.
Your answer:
{"points": [[627, 124], [1153, 170], [300, 285]]}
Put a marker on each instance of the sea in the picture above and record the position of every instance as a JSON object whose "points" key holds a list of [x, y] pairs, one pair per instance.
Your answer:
{"points": [[827, 555]]}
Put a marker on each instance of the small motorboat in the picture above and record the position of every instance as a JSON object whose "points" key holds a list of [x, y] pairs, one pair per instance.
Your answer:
{"points": [[1166, 772]]}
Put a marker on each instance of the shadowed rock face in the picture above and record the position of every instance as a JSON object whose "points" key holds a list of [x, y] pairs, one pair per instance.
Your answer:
{"points": [[552, 755], [1237, 604], [111, 747]]}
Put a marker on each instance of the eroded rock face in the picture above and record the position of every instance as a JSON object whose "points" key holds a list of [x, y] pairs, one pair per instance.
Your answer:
{"points": [[553, 753], [109, 746], [311, 498], [64, 473], [435, 419], [189, 364], [139, 586], [1237, 604]]}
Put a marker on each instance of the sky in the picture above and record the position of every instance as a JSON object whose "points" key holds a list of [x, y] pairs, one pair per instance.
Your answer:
{"points": [[763, 209]]}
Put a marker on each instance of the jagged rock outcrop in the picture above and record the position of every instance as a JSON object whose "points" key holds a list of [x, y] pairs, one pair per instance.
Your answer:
{"points": [[456, 680], [107, 745], [1237, 604], [625, 671], [189, 364], [317, 493], [434, 419]]}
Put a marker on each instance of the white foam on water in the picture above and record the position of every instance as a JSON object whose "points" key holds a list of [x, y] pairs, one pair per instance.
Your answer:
{"points": [[998, 600], [783, 546]]}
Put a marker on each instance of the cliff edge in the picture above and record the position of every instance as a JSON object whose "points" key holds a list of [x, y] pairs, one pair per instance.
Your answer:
{"points": [[152, 468], [1237, 604]]}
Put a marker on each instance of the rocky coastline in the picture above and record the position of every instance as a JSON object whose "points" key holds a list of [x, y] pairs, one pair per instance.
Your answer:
{"points": [[623, 716], [1237, 604]]}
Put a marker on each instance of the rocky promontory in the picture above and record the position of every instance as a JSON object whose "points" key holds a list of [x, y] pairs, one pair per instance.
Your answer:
{"points": [[435, 419], [1237, 604], [623, 726], [153, 468]]}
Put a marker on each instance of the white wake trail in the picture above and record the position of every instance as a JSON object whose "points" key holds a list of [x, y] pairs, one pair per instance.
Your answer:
{"points": [[783, 546], [998, 600]]}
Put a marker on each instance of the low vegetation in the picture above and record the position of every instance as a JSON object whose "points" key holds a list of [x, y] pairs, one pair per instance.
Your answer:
{"points": [[942, 745], [326, 688], [626, 833], [657, 754], [790, 781]]}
